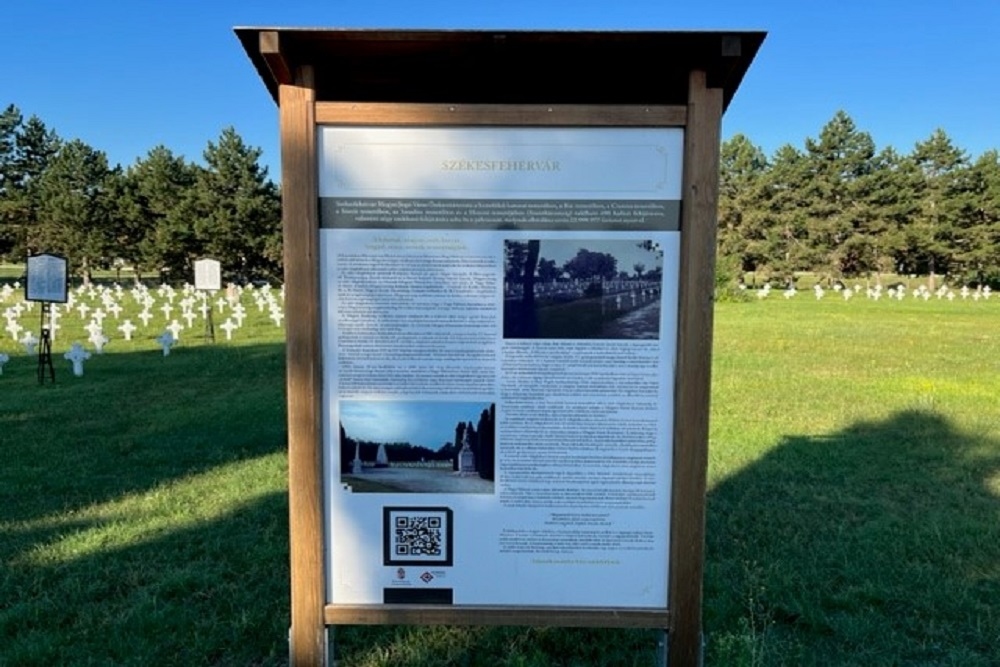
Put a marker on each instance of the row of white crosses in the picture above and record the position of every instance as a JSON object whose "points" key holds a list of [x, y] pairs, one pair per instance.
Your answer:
{"points": [[897, 293], [99, 304]]}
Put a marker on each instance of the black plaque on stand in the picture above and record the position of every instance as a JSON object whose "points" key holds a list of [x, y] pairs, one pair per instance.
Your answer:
{"points": [[47, 282], [45, 347]]}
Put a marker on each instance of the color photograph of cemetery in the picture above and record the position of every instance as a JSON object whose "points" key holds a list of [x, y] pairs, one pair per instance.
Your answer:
{"points": [[572, 288], [417, 447]]}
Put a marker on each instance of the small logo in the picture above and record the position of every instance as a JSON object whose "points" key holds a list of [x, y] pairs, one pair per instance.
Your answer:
{"points": [[401, 573], [427, 577]]}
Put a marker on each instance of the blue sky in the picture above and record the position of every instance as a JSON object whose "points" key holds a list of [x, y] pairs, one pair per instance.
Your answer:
{"points": [[425, 423], [127, 76]]}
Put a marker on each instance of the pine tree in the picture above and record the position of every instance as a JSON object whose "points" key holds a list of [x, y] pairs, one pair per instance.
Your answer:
{"points": [[889, 190], [941, 195], [10, 121], [978, 233], [838, 162], [26, 149], [74, 208], [486, 456], [236, 210], [153, 230], [742, 194], [782, 241]]}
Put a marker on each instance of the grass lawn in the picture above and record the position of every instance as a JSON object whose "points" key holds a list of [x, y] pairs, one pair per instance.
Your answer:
{"points": [[854, 503], [853, 510]]}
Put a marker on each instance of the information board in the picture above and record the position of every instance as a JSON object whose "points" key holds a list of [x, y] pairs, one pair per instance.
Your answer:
{"points": [[46, 278], [207, 274], [499, 329]]}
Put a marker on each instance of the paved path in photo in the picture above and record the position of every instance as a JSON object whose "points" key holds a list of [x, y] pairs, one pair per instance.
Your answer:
{"points": [[427, 480], [641, 323]]}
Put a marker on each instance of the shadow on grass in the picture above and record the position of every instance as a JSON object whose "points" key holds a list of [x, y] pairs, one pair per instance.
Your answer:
{"points": [[876, 545], [212, 593], [135, 429], [134, 421]]}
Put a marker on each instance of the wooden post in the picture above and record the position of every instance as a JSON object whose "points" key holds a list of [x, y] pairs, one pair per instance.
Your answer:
{"points": [[391, 78], [300, 220], [693, 378]]}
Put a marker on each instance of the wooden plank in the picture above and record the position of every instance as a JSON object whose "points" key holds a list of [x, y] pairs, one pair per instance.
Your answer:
{"points": [[360, 113], [694, 357], [566, 617], [270, 49], [300, 221]]}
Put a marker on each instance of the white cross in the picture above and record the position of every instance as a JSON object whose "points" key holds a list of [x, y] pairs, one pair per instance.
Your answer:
{"points": [[221, 303], [29, 342], [127, 328], [277, 317], [189, 316], [167, 309], [14, 328], [83, 309], [93, 328], [98, 340], [166, 341], [228, 327], [145, 316], [175, 329], [240, 313], [77, 355], [115, 309]]}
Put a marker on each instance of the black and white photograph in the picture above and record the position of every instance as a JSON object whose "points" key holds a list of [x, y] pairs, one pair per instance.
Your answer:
{"points": [[582, 288]]}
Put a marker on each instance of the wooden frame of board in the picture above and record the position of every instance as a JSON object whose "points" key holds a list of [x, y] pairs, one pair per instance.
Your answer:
{"points": [[489, 78]]}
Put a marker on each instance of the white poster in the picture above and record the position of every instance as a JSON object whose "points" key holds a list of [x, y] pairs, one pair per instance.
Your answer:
{"points": [[46, 278], [499, 329], [207, 274]]}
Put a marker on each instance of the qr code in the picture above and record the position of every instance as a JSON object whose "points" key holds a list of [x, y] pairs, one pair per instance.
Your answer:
{"points": [[417, 535]]}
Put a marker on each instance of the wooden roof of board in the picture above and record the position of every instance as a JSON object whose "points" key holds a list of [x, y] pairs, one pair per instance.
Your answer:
{"points": [[500, 66]]}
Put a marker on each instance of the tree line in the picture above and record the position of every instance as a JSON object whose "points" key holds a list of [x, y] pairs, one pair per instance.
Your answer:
{"points": [[842, 209], [836, 207], [155, 216]]}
